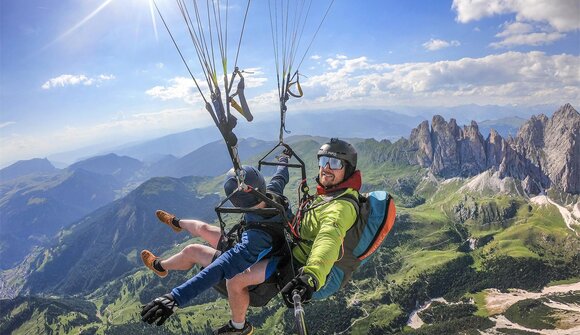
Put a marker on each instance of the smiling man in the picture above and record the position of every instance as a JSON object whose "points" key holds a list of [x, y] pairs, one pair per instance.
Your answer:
{"points": [[326, 222]]}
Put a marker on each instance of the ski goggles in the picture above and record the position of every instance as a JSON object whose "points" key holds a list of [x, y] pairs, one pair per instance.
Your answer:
{"points": [[333, 163]]}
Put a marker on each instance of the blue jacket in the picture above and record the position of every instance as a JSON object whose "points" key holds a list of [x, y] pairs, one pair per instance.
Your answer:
{"points": [[254, 245]]}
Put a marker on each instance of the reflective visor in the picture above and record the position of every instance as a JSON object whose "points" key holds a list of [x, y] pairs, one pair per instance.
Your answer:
{"points": [[333, 163]]}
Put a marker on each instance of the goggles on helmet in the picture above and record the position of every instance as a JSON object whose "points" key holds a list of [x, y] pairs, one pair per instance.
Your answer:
{"points": [[333, 163]]}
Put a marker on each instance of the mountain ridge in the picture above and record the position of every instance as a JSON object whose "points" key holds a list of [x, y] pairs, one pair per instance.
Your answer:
{"points": [[538, 155]]}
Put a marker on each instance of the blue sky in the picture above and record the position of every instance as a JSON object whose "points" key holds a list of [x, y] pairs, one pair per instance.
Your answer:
{"points": [[77, 73]]}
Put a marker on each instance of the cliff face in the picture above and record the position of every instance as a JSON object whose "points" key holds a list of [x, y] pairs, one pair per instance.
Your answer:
{"points": [[561, 149], [545, 152]]}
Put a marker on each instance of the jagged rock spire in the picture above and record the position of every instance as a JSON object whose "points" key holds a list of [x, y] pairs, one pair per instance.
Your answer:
{"points": [[545, 152]]}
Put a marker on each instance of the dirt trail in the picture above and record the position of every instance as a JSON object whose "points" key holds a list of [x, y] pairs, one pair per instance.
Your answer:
{"points": [[415, 321], [497, 303]]}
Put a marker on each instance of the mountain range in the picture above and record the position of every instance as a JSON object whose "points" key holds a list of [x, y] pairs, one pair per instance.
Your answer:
{"points": [[542, 154], [469, 220], [378, 124]]}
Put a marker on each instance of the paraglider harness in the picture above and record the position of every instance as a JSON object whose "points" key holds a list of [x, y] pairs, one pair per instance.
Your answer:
{"points": [[283, 233]]}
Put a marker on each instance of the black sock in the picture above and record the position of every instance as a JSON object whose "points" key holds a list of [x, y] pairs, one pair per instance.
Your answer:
{"points": [[175, 222], [157, 265]]}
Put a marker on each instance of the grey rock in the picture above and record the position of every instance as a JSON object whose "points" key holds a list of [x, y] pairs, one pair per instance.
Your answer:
{"points": [[545, 152]]}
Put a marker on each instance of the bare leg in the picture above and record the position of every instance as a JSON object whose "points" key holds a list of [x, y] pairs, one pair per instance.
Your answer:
{"points": [[190, 255], [204, 230], [238, 294]]}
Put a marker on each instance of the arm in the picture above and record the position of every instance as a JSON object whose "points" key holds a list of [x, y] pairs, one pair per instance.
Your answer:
{"points": [[280, 178]]}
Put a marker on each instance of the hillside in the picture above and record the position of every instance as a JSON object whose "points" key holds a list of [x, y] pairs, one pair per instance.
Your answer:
{"points": [[23, 168], [35, 207], [106, 245], [435, 250], [468, 228]]}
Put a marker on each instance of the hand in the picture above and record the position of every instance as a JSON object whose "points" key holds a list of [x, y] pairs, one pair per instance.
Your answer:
{"points": [[161, 308], [286, 153], [304, 283]]}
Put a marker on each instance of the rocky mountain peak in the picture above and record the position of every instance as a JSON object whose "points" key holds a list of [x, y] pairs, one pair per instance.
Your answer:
{"points": [[561, 159], [545, 152]]}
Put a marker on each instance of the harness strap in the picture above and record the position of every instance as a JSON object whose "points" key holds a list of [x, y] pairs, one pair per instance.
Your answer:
{"points": [[274, 229]]}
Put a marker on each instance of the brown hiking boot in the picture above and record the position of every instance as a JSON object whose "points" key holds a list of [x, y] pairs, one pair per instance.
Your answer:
{"points": [[168, 219], [148, 259]]}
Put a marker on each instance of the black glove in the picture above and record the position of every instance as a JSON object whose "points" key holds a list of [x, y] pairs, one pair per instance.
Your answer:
{"points": [[286, 153], [161, 308], [305, 284]]}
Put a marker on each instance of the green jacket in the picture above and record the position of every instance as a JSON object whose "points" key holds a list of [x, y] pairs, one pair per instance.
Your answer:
{"points": [[322, 231]]}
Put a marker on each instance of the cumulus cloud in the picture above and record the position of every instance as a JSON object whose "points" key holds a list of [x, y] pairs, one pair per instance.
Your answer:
{"points": [[511, 77], [537, 21], [436, 44], [72, 80], [254, 77], [183, 88], [534, 39]]}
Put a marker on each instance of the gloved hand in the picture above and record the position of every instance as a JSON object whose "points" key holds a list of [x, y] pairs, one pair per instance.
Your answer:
{"points": [[304, 283], [161, 308], [286, 153]]}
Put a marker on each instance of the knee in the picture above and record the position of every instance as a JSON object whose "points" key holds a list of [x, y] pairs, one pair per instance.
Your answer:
{"points": [[236, 285], [192, 250], [203, 227]]}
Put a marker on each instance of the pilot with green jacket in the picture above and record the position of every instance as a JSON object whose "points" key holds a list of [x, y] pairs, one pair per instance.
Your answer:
{"points": [[325, 223]]}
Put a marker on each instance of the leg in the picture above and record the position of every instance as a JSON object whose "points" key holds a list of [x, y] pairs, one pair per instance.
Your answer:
{"points": [[190, 255], [196, 228], [238, 294], [209, 233]]}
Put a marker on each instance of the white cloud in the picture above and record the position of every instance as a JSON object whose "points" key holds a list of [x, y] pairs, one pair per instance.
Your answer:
{"points": [[537, 21], [519, 33], [534, 39], [315, 57], [563, 15], [515, 28], [183, 88], [512, 77], [180, 88], [72, 80], [253, 77], [436, 44]]}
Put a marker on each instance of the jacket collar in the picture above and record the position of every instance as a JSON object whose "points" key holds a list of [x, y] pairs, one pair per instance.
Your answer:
{"points": [[354, 182]]}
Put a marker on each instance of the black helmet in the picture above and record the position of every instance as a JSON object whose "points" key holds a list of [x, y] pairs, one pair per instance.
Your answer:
{"points": [[341, 150], [253, 178]]}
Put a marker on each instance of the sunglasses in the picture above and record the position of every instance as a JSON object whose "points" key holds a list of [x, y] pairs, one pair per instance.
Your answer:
{"points": [[333, 163]]}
